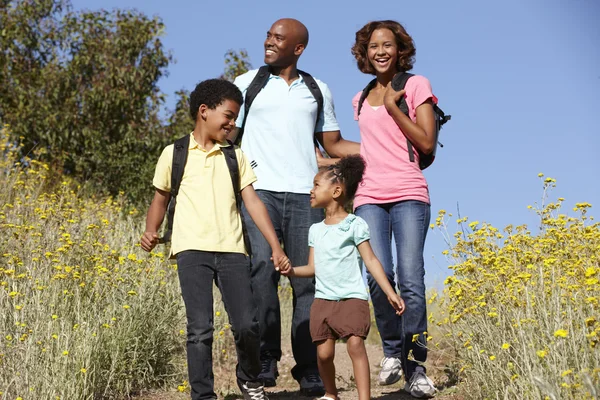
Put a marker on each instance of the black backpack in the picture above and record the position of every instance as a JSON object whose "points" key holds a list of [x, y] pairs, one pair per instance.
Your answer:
{"points": [[398, 83], [260, 80], [180, 153]]}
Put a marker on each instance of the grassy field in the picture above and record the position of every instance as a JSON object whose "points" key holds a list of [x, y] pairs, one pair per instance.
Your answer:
{"points": [[87, 315]]}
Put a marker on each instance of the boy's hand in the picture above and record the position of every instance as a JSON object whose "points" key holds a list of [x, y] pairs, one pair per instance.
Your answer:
{"points": [[149, 241], [397, 302], [280, 260]]}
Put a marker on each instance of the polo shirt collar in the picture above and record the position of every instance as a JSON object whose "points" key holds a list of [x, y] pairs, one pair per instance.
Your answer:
{"points": [[194, 144]]}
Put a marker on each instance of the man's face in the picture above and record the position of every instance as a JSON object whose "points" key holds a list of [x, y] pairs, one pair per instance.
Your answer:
{"points": [[281, 46]]}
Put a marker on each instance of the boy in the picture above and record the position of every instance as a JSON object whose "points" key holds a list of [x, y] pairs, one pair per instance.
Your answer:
{"points": [[207, 238]]}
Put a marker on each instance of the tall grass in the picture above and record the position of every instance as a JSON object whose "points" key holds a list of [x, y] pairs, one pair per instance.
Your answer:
{"points": [[521, 310]]}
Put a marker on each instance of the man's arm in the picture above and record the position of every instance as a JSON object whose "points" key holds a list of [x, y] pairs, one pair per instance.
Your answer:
{"points": [[335, 145]]}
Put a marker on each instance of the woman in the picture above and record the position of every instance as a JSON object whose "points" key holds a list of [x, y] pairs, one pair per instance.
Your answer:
{"points": [[394, 196]]}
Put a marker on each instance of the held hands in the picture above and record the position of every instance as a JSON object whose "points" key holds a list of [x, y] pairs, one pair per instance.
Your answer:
{"points": [[280, 260], [149, 241], [397, 302], [391, 97]]}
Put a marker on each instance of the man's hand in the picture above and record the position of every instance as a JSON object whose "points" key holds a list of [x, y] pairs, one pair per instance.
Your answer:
{"points": [[397, 302], [149, 241], [391, 97]]}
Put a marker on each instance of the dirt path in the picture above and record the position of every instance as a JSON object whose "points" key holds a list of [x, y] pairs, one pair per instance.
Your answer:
{"points": [[287, 388]]}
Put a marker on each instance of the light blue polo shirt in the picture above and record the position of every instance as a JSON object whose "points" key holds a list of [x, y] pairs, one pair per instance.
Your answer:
{"points": [[278, 136], [338, 274]]}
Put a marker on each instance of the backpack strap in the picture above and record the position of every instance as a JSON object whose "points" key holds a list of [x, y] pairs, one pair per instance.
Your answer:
{"points": [[398, 83], [234, 172], [315, 91], [180, 153], [259, 81], [364, 95]]}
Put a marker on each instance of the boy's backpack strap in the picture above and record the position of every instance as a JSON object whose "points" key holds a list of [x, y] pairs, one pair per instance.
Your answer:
{"points": [[180, 152], [234, 172], [259, 81], [364, 95]]}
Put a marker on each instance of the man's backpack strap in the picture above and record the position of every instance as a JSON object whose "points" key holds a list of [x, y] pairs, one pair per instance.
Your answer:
{"points": [[180, 152], [315, 91], [234, 172], [259, 81]]}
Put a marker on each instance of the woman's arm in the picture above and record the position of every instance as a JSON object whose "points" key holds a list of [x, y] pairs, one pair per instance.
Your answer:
{"points": [[422, 133]]}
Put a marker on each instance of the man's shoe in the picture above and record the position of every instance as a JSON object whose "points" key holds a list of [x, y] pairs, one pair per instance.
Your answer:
{"points": [[391, 371], [420, 386], [253, 391], [312, 385], [268, 371]]}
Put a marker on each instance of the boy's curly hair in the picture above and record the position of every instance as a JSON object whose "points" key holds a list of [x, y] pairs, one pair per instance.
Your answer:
{"points": [[213, 92], [406, 46], [349, 172]]}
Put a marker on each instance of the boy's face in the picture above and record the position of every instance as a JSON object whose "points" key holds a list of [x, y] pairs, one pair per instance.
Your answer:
{"points": [[221, 120]]}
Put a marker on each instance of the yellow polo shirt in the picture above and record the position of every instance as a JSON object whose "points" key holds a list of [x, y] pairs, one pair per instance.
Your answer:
{"points": [[206, 216]]}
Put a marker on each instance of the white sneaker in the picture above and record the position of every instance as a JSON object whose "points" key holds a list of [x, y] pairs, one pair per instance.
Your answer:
{"points": [[391, 371], [420, 385]]}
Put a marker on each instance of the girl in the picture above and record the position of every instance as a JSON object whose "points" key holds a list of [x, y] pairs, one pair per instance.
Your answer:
{"points": [[395, 197], [341, 308]]}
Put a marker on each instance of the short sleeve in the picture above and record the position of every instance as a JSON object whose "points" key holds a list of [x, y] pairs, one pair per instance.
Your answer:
{"points": [[355, 101], [327, 120], [418, 91], [311, 236], [243, 82], [361, 231], [162, 172], [247, 175]]}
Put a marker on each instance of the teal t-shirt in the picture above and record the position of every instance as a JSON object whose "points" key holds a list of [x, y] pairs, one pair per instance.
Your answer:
{"points": [[338, 272]]}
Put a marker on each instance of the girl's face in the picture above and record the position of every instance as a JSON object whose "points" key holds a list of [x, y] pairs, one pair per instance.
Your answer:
{"points": [[382, 51], [323, 191]]}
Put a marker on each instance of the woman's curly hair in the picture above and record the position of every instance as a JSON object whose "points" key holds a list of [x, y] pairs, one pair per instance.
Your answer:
{"points": [[349, 172], [406, 46]]}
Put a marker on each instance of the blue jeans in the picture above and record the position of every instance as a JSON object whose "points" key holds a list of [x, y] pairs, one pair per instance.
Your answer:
{"points": [[292, 217], [231, 271], [408, 221]]}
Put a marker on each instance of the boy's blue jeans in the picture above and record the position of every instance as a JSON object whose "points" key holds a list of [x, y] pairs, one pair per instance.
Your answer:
{"points": [[231, 273], [408, 221], [292, 217]]}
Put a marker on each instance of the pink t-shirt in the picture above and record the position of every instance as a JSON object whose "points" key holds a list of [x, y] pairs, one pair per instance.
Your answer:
{"points": [[390, 176]]}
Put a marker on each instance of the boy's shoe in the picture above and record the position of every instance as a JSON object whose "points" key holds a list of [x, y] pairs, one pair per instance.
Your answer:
{"points": [[391, 371], [420, 385], [253, 391], [268, 372], [311, 385]]}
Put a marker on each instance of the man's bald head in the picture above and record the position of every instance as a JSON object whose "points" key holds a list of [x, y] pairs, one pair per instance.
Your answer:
{"points": [[286, 40], [295, 29]]}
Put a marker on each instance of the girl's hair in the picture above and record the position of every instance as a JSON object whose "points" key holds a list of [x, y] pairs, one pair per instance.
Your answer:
{"points": [[349, 172], [406, 46]]}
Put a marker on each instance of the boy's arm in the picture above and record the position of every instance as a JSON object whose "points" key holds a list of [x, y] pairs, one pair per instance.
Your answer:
{"points": [[376, 271], [154, 218], [305, 271], [260, 216]]}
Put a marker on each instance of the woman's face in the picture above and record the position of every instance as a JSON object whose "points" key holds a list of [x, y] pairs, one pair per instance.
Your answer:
{"points": [[382, 51]]}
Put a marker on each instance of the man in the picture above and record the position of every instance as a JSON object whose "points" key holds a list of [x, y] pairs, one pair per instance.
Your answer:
{"points": [[278, 140]]}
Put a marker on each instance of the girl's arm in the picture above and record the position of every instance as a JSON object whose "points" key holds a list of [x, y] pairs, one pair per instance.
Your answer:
{"points": [[305, 271], [420, 134], [376, 270]]}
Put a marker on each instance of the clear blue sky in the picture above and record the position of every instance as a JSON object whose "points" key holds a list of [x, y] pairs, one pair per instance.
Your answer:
{"points": [[520, 78]]}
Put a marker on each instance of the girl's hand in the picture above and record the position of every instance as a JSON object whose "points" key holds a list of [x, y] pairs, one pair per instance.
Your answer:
{"points": [[397, 302], [391, 97], [287, 270]]}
